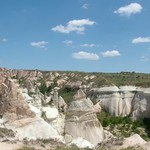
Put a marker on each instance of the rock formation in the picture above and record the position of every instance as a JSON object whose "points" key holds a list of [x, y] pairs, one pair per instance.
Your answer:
{"points": [[124, 101], [58, 101], [55, 97], [113, 100], [32, 115], [81, 120], [12, 103], [141, 105], [62, 104]]}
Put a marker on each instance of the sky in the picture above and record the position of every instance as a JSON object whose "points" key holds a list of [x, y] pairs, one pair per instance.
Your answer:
{"points": [[75, 35]]}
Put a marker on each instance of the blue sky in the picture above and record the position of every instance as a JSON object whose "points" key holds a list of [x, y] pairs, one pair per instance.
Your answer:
{"points": [[82, 35]]}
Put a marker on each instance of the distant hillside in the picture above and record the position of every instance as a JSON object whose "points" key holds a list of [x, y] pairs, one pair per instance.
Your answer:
{"points": [[102, 79], [75, 78]]}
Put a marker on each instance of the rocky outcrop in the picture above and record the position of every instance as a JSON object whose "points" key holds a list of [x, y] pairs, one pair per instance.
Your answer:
{"points": [[81, 120], [28, 74], [12, 103], [113, 100], [73, 85], [33, 129], [62, 104], [82, 143], [124, 100], [141, 105], [134, 140], [19, 113]]}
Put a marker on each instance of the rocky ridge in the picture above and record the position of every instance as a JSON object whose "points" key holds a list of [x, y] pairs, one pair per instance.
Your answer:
{"points": [[124, 100], [26, 109]]}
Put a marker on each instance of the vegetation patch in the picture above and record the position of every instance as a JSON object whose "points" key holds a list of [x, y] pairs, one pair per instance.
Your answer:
{"points": [[26, 148], [124, 126], [4, 132], [67, 94]]}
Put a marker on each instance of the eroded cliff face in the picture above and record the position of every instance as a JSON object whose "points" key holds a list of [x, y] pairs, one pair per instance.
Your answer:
{"points": [[24, 118], [81, 121], [124, 100], [141, 105], [45, 113], [12, 104]]}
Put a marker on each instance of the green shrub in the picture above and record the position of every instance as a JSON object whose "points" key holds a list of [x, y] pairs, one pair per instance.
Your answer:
{"points": [[26, 148], [67, 94], [125, 125]]}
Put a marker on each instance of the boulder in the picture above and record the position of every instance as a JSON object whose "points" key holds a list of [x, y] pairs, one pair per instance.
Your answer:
{"points": [[27, 98], [81, 120], [146, 146], [82, 143], [50, 113], [33, 129], [37, 111], [134, 140]]}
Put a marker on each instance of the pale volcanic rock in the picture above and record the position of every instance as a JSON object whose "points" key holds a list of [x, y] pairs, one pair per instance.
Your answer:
{"points": [[134, 140], [79, 95], [30, 86], [82, 143], [109, 99], [34, 128], [12, 101], [81, 121], [141, 105], [72, 85], [62, 104], [124, 100], [116, 101]]}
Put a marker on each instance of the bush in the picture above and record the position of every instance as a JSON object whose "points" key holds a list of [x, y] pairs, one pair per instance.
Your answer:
{"points": [[125, 125], [67, 94], [26, 148]]}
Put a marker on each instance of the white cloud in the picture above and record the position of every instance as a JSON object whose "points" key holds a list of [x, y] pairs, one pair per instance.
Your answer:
{"points": [[85, 6], [40, 44], [67, 42], [112, 53], [127, 10], [145, 58], [77, 26], [87, 45], [4, 40], [85, 55], [141, 40]]}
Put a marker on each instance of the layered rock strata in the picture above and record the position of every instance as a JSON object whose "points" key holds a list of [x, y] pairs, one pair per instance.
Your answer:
{"points": [[12, 103], [81, 120], [124, 100]]}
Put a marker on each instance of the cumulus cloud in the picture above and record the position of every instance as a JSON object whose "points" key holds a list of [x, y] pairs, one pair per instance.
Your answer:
{"points": [[141, 40], [68, 42], [85, 6], [85, 55], [87, 45], [40, 44], [112, 53], [77, 26], [4, 40], [130, 9], [145, 58]]}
